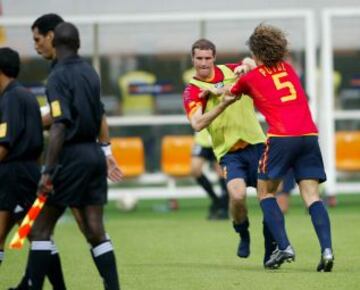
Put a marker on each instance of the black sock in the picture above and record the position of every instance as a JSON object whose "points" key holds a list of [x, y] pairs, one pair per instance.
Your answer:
{"points": [[321, 223], [207, 186], [224, 194], [1, 256], [55, 273], [107, 237], [104, 258], [243, 229], [223, 186], [39, 263]]}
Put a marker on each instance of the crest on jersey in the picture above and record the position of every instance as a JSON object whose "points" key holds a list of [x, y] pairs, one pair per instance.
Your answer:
{"points": [[219, 85]]}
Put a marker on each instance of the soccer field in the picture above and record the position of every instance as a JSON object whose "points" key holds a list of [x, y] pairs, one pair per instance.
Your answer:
{"points": [[181, 250]]}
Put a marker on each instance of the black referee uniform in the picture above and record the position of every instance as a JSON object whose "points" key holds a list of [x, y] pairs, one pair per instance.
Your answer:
{"points": [[73, 92], [21, 134]]}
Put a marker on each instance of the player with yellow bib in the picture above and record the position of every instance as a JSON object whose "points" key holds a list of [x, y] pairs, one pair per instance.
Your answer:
{"points": [[236, 134]]}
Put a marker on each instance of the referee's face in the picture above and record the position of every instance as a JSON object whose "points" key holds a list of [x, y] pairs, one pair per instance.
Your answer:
{"points": [[43, 44], [203, 61]]}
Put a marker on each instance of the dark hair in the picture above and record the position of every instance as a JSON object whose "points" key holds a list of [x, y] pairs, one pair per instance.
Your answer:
{"points": [[46, 23], [66, 35], [268, 44], [9, 62], [203, 44]]}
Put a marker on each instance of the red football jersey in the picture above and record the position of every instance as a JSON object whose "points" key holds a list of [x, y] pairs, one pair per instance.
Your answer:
{"points": [[279, 96], [191, 93]]}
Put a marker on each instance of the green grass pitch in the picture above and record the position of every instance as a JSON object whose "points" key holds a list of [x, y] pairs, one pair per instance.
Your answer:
{"points": [[181, 250]]}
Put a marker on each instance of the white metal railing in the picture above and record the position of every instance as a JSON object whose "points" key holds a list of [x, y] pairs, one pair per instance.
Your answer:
{"points": [[329, 114]]}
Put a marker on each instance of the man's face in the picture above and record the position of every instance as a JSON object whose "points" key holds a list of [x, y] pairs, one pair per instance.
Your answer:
{"points": [[203, 61], [43, 44]]}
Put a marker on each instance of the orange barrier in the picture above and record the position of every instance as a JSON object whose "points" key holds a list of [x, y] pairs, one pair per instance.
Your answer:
{"points": [[176, 155], [129, 154], [348, 150]]}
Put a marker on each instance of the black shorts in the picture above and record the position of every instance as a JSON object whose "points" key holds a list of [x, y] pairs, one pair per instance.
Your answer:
{"points": [[18, 186], [205, 152], [82, 179]]}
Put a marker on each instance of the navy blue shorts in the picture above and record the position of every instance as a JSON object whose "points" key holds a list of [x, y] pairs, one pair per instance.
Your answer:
{"points": [[288, 183], [301, 154], [18, 186], [243, 164], [205, 152], [82, 179]]}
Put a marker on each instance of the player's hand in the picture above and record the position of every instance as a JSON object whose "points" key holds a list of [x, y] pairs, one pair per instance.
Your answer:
{"points": [[114, 172], [247, 65], [241, 70], [45, 185], [229, 99], [249, 62]]}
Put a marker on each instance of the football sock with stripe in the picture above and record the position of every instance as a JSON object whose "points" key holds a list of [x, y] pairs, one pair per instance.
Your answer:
{"points": [[321, 222], [55, 273], [275, 222], [104, 257], [39, 263]]}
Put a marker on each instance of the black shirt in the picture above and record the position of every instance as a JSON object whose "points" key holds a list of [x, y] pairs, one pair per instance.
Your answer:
{"points": [[73, 92], [20, 124]]}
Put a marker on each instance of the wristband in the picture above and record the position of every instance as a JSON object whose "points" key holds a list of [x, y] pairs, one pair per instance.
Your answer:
{"points": [[106, 148]]}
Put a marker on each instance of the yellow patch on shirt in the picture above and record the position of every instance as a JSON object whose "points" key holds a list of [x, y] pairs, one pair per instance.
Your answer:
{"points": [[3, 129], [55, 109]]}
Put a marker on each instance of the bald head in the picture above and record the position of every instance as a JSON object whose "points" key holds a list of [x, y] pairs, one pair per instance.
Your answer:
{"points": [[66, 35]]}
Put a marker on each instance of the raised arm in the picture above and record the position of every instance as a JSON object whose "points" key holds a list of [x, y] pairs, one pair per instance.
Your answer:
{"points": [[200, 120]]}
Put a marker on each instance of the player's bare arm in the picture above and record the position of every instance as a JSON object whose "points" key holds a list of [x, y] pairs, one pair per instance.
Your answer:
{"points": [[113, 170], [57, 137], [200, 120]]}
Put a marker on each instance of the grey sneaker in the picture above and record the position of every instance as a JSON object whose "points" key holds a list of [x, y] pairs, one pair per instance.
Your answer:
{"points": [[280, 256], [326, 261]]}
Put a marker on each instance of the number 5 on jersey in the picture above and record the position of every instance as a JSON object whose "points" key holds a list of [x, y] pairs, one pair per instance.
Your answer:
{"points": [[284, 84]]}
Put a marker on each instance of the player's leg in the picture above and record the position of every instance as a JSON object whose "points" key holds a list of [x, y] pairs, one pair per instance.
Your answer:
{"points": [[6, 224], [88, 200], [101, 246], [197, 163], [7, 202], [273, 165], [235, 169], [40, 257], [309, 169], [28, 175], [239, 214], [309, 190], [224, 198], [54, 273], [273, 216], [275, 222], [283, 191]]}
